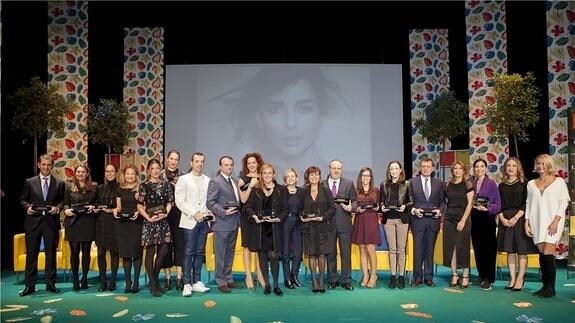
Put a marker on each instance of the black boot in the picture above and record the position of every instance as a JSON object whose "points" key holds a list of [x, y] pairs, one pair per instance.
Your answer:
{"points": [[542, 268], [168, 284], [84, 283], [75, 281], [112, 284], [179, 284], [392, 282], [551, 270], [401, 282]]}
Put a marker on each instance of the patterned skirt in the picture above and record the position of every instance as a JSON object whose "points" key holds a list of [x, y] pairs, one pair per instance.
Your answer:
{"points": [[156, 233]]}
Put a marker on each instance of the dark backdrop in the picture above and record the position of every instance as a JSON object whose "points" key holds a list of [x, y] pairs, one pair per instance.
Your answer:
{"points": [[255, 32]]}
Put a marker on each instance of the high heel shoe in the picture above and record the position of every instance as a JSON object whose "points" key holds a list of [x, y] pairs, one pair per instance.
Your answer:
{"points": [[295, 281], [364, 281], [135, 288], [267, 290], [515, 289], [168, 284], [250, 284], [463, 286], [372, 282], [278, 292], [511, 285], [453, 284]]}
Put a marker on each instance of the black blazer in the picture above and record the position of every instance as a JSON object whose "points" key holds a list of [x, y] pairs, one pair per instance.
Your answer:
{"points": [[324, 202], [254, 205], [32, 194], [404, 198]]}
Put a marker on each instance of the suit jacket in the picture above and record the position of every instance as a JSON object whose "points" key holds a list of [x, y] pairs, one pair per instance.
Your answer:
{"points": [[342, 218], [219, 193], [280, 208], [188, 201], [32, 194], [404, 198], [436, 199]]}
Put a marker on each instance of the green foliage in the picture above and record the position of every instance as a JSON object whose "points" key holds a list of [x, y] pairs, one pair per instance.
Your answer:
{"points": [[445, 118], [515, 107], [108, 125], [39, 108]]}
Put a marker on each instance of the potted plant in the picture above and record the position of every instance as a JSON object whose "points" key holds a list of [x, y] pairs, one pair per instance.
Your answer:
{"points": [[109, 126], [445, 118], [39, 108], [514, 107]]}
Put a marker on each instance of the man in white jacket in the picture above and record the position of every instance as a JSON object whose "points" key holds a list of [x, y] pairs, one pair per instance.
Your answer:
{"points": [[191, 192]]}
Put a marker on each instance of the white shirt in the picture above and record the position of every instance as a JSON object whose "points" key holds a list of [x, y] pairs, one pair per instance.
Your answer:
{"points": [[191, 198]]}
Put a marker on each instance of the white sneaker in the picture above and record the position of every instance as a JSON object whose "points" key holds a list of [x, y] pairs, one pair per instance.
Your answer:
{"points": [[187, 290], [200, 287]]}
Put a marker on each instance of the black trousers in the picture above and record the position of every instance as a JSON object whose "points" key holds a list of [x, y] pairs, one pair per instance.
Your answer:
{"points": [[33, 238], [484, 239]]}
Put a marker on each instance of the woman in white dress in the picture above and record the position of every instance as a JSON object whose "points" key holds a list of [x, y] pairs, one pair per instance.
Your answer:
{"points": [[547, 201]]}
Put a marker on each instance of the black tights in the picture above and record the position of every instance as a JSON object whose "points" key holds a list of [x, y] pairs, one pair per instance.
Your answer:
{"points": [[267, 259], [75, 248], [153, 267], [317, 262], [127, 263], [114, 263]]}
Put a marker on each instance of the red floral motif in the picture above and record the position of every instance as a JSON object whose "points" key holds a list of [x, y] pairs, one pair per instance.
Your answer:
{"points": [[473, 4], [417, 72], [489, 99], [487, 16], [57, 69], [131, 51], [558, 66], [57, 40], [490, 128], [131, 101], [70, 115], [416, 47], [477, 85], [557, 30], [69, 172], [418, 97], [571, 87], [476, 57], [474, 30], [559, 139], [478, 141], [491, 158], [57, 12], [57, 155], [563, 174], [488, 44], [131, 76], [559, 102], [477, 113], [561, 249], [69, 143], [419, 149]]}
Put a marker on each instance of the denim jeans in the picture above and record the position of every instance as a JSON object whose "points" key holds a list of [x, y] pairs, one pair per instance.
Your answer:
{"points": [[195, 251]]}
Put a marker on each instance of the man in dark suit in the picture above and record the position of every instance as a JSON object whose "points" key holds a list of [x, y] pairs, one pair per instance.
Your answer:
{"points": [[428, 201], [42, 198], [342, 189], [223, 200]]}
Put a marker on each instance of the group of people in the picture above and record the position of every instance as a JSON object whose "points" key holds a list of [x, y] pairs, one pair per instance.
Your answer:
{"points": [[170, 214]]}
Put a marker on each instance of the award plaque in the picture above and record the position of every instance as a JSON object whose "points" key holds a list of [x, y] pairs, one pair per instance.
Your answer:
{"points": [[208, 216], [309, 214], [104, 205], [481, 201], [79, 208], [429, 213], [38, 207], [126, 215], [341, 199], [155, 210], [368, 206], [231, 205], [393, 205], [266, 215]]}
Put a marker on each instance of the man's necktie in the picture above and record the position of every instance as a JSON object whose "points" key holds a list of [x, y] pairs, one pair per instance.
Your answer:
{"points": [[45, 188], [426, 188], [334, 189]]}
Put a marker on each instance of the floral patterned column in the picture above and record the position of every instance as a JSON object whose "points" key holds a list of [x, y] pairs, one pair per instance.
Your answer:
{"points": [[486, 56], [561, 77], [144, 93], [428, 76], [68, 67]]}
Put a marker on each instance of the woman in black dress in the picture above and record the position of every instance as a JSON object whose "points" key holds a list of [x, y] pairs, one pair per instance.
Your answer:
{"points": [[457, 224], [155, 199], [292, 231], [80, 222], [266, 211], [106, 236], [511, 236], [318, 209], [175, 256], [251, 166], [129, 229]]}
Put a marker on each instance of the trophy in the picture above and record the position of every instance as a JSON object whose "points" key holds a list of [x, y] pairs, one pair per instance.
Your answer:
{"points": [[126, 215], [208, 216], [368, 206], [79, 208], [341, 199], [40, 207], [392, 205], [155, 210], [231, 205], [481, 201], [429, 213], [104, 205], [309, 214], [265, 215]]}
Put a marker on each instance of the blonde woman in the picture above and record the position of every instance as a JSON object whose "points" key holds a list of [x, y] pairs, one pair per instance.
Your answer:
{"points": [[547, 201]]}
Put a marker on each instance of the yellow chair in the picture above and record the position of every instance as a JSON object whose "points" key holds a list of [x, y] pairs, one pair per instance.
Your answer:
{"points": [[501, 261], [19, 255], [438, 252], [238, 263]]}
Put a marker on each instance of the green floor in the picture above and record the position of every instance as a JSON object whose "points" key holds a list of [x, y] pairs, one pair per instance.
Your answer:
{"points": [[301, 305]]}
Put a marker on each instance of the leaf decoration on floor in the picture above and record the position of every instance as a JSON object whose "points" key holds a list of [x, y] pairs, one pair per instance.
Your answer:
{"points": [[120, 313], [52, 300], [144, 317], [409, 306], [176, 315], [11, 308], [209, 303], [77, 312], [19, 319], [45, 311], [523, 304], [573, 301], [475, 321], [235, 319], [121, 298], [453, 290], [46, 319], [525, 318], [419, 314], [104, 294]]}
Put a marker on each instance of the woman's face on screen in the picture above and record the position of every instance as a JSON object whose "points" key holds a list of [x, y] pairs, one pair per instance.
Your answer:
{"points": [[290, 119]]}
